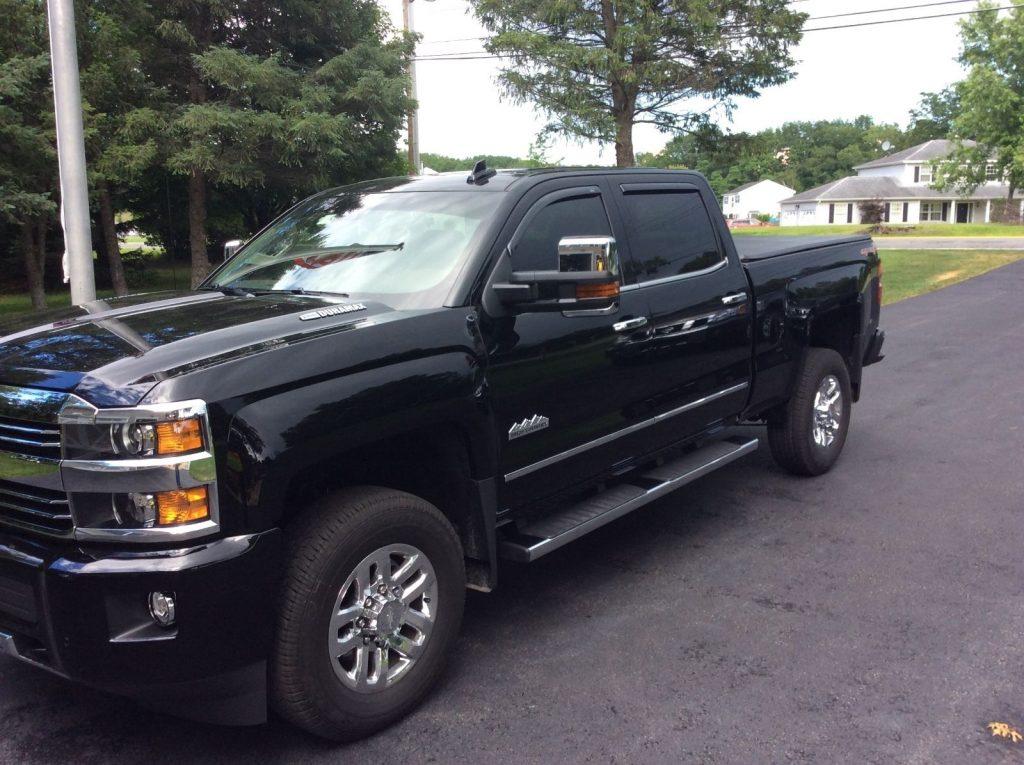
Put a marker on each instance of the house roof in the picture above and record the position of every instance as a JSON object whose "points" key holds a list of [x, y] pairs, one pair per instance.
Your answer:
{"points": [[746, 186], [855, 187], [939, 148]]}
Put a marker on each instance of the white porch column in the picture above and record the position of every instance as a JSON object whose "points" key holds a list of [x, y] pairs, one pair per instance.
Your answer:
{"points": [[988, 211]]}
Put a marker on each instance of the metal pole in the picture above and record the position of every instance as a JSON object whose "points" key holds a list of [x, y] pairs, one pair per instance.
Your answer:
{"points": [[74, 184], [413, 117]]}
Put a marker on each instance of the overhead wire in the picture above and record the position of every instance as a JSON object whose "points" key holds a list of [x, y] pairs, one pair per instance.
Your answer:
{"points": [[482, 55]]}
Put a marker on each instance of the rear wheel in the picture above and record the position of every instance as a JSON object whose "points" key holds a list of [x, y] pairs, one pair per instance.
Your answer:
{"points": [[371, 604], [807, 435]]}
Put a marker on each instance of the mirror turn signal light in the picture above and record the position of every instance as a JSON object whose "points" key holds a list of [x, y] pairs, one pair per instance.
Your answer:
{"points": [[584, 291], [182, 506], [179, 436]]}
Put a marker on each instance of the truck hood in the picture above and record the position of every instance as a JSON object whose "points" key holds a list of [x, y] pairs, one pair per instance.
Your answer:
{"points": [[113, 352]]}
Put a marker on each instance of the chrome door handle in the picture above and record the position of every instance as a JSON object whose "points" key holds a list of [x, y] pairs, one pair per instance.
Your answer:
{"points": [[734, 298], [630, 324]]}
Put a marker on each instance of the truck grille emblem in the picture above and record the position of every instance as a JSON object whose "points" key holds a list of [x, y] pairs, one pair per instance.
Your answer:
{"points": [[528, 426], [336, 310]]}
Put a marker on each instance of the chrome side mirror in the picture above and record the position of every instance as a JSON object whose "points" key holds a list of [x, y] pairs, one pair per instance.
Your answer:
{"points": [[230, 248], [588, 253]]}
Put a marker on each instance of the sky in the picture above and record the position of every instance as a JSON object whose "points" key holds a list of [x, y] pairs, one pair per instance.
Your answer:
{"points": [[875, 70]]}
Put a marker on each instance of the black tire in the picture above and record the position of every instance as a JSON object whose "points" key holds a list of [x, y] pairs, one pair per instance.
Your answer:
{"points": [[324, 547], [791, 429]]}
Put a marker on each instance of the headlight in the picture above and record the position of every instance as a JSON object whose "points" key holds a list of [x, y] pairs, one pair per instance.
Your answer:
{"points": [[134, 434], [142, 474]]}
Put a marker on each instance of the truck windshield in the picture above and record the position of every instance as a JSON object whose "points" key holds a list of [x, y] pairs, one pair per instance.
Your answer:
{"points": [[402, 248]]}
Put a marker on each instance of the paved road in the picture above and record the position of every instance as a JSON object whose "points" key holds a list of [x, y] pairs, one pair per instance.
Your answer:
{"points": [[950, 242], [872, 615]]}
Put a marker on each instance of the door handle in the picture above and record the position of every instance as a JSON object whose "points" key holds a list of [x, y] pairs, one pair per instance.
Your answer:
{"points": [[630, 324], [734, 298]]}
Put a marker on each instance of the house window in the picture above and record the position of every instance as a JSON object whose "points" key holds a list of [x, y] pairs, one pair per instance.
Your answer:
{"points": [[931, 211], [992, 173], [927, 174]]}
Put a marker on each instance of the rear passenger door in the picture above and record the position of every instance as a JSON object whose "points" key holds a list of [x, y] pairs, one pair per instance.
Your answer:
{"points": [[698, 350]]}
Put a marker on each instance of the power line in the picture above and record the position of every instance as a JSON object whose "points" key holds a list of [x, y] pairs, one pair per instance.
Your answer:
{"points": [[810, 18], [481, 55], [889, 10]]}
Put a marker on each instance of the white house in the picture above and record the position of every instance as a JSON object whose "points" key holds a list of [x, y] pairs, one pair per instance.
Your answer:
{"points": [[757, 198], [902, 182]]}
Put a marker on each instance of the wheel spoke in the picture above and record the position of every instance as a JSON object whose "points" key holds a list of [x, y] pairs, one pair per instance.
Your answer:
{"points": [[403, 572], [414, 590], [406, 647], [362, 667], [344, 617], [347, 642], [380, 675], [418, 620]]}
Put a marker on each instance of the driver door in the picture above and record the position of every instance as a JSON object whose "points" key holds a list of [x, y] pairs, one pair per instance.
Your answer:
{"points": [[563, 390]]}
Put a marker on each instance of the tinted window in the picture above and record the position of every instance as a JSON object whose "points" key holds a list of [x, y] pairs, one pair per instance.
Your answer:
{"points": [[537, 249], [670, 233]]}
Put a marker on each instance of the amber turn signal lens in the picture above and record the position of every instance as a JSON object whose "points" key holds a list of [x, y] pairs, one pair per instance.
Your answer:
{"points": [[179, 436], [182, 506], [584, 291]]}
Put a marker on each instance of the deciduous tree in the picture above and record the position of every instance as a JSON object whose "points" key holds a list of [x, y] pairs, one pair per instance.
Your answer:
{"points": [[991, 103]]}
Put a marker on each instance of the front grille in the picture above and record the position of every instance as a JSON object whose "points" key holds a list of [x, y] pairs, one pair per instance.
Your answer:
{"points": [[34, 508], [31, 491], [33, 438]]}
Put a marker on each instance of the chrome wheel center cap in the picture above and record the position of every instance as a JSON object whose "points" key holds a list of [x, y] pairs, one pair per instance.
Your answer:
{"points": [[390, 617]]}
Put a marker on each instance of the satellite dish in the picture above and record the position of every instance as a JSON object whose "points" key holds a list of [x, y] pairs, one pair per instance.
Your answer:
{"points": [[887, 146]]}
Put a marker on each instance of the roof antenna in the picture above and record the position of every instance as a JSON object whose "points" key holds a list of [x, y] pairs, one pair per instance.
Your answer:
{"points": [[481, 173]]}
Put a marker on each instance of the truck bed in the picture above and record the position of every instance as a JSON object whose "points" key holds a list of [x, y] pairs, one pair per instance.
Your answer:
{"points": [[752, 248]]}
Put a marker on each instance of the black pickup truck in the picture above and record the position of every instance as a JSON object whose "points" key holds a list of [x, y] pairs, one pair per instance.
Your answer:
{"points": [[274, 490]]}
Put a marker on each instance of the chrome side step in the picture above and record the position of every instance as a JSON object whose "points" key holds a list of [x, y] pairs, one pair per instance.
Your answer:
{"points": [[554, 531]]}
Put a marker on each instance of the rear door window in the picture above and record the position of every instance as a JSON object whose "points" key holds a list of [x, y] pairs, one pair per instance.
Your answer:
{"points": [[670, 234]]}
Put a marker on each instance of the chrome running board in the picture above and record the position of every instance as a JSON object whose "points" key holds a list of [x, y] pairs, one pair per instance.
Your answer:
{"points": [[551, 532]]}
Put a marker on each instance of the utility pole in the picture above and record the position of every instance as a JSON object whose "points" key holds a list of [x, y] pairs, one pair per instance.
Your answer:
{"points": [[74, 184], [413, 117]]}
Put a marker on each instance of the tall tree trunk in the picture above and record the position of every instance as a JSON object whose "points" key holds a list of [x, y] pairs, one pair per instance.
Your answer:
{"points": [[197, 226], [624, 139], [110, 243], [33, 269]]}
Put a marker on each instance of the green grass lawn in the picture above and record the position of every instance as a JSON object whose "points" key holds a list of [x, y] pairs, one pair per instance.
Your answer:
{"points": [[153, 279], [922, 229], [915, 272]]}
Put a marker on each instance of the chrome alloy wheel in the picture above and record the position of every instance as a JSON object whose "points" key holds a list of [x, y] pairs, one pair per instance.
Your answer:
{"points": [[382, 618], [828, 411]]}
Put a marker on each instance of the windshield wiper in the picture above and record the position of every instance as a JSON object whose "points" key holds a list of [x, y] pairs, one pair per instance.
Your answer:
{"points": [[227, 290], [298, 291]]}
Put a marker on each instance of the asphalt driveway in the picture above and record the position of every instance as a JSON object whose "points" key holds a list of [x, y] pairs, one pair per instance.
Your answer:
{"points": [[875, 614]]}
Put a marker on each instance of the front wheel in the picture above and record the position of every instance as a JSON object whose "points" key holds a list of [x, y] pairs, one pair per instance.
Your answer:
{"points": [[371, 604], [807, 435]]}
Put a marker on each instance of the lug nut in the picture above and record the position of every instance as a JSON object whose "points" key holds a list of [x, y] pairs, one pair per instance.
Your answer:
{"points": [[362, 621], [366, 640], [368, 603], [396, 591], [383, 589]]}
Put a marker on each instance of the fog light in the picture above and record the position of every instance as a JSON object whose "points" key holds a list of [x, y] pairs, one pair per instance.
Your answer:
{"points": [[161, 608]]}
